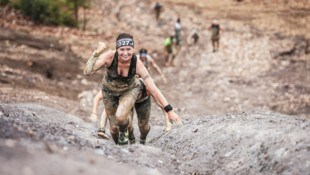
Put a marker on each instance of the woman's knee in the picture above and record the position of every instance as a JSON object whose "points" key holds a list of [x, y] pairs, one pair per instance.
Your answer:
{"points": [[123, 118], [123, 114]]}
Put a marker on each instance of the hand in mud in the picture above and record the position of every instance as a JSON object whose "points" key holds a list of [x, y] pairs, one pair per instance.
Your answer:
{"points": [[100, 48], [174, 117], [168, 126], [93, 118], [168, 123]]}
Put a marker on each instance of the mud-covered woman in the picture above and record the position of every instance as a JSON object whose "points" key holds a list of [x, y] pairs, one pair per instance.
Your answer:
{"points": [[121, 89]]}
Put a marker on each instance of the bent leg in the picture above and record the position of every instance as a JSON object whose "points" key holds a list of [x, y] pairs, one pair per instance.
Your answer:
{"points": [[126, 103], [123, 112], [110, 105], [119, 110], [143, 112]]}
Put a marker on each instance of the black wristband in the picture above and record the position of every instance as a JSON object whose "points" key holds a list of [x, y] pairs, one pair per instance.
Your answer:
{"points": [[168, 108]]}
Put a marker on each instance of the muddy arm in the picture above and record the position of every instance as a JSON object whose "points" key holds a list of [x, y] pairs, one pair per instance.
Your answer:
{"points": [[97, 59], [89, 67], [155, 92], [167, 119]]}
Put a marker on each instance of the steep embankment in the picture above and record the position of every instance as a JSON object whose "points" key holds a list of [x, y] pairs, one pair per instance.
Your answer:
{"points": [[36, 139], [244, 143]]}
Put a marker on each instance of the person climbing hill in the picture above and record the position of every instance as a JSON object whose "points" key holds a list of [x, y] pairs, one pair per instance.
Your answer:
{"points": [[177, 28], [149, 62], [193, 37], [158, 8], [121, 89], [170, 48], [215, 35]]}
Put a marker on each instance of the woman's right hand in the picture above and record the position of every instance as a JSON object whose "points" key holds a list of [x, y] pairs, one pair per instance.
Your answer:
{"points": [[101, 47]]}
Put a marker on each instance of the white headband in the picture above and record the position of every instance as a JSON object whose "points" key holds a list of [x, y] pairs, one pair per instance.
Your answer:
{"points": [[124, 42]]}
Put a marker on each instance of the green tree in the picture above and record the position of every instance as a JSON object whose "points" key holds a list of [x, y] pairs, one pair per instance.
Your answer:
{"points": [[54, 12], [76, 4]]}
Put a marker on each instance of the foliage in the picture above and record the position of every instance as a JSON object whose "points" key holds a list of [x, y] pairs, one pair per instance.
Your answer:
{"points": [[55, 12], [74, 5], [4, 2], [80, 3]]}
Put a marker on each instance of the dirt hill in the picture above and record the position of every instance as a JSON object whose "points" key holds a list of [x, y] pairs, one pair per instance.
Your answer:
{"points": [[263, 65]]}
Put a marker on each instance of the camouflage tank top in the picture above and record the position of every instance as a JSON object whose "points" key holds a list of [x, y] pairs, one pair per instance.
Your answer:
{"points": [[117, 84]]}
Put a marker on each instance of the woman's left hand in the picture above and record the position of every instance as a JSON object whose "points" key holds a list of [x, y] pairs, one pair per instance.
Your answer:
{"points": [[174, 117]]}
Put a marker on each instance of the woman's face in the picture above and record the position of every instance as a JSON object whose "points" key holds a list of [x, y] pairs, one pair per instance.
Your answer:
{"points": [[125, 53]]}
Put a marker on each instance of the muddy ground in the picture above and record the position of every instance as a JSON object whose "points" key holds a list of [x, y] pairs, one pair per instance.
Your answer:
{"points": [[245, 109]]}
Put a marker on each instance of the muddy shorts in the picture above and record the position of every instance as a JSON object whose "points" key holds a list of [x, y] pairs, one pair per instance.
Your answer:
{"points": [[124, 99]]}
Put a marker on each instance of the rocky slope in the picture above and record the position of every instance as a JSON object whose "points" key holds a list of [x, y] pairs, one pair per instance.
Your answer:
{"points": [[263, 65]]}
